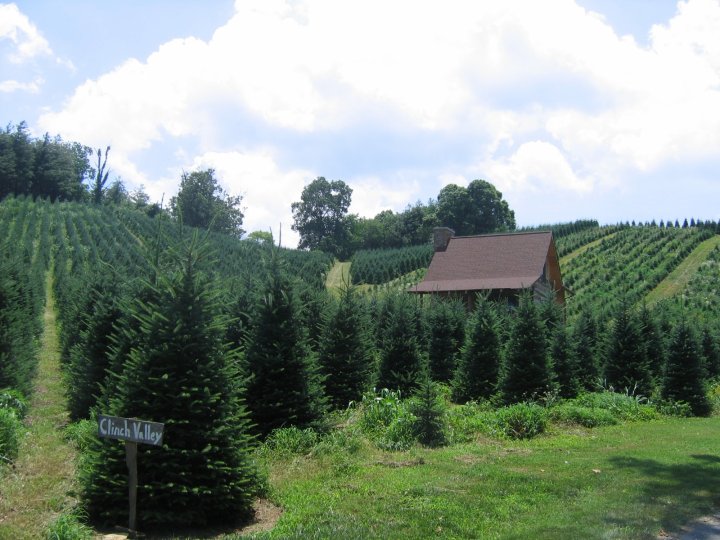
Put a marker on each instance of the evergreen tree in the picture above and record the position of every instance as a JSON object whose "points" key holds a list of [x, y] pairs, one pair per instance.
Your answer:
{"points": [[446, 328], [401, 360], [89, 357], [476, 376], [683, 379], [585, 338], [284, 386], [429, 412], [345, 349], [626, 367], [654, 343], [526, 371], [564, 363], [711, 352], [178, 371]]}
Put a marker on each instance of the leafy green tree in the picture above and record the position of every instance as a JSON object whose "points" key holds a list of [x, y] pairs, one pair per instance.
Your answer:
{"points": [[179, 371], [401, 358], [626, 366], [683, 380], [284, 386], [526, 371], [478, 368], [321, 217], [477, 209], [201, 202], [345, 349]]}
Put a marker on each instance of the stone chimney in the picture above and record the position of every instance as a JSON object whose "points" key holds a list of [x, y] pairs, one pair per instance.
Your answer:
{"points": [[441, 237]]}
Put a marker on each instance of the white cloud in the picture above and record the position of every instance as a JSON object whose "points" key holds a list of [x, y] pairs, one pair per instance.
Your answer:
{"points": [[25, 37], [268, 192], [11, 85], [548, 91], [536, 164]]}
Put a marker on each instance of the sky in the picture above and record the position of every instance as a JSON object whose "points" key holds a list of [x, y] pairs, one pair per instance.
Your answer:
{"points": [[604, 109]]}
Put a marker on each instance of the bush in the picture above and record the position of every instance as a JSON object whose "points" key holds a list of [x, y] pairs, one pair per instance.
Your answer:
{"points": [[13, 400], [571, 413], [624, 407], [82, 433], [10, 427], [386, 420], [673, 408], [521, 421], [465, 422]]}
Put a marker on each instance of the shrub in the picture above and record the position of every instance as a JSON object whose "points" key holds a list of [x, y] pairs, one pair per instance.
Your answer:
{"points": [[571, 413], [386, 420], [624, 407], [673, 408], [13, 400], [521, 421], [465, 422], [10, 427]]}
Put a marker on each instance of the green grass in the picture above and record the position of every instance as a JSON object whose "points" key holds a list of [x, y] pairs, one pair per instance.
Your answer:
{"points": [[679, 278], [35, 490], [625, 481], [338, 275], [582, 249]]}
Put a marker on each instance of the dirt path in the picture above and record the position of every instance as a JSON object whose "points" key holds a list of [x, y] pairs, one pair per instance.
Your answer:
{"points": [[36, 489]]}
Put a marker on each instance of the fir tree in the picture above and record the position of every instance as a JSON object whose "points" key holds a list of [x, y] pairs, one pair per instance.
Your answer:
{"points": [[585, 338], [178, 371], [476, 376], [711, 352], [446, 328], [401, 360], [626, 367], [654, 343], [526, 371], [89, 357], [429, 411], [345, 349], [284, 386], [683, 379], [564, 363]]}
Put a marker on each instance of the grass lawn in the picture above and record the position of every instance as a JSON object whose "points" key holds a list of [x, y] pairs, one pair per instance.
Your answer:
{"points": [[626, 481]]}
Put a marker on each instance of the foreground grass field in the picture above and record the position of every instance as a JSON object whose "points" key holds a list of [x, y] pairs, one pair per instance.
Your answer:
{"points": [[628, 481]]}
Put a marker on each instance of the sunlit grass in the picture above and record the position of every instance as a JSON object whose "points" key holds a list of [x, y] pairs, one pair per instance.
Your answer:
{"points": [[35, 490]]}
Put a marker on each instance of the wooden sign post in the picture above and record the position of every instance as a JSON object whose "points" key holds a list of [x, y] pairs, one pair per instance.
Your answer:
{"points": [[131, 431]]}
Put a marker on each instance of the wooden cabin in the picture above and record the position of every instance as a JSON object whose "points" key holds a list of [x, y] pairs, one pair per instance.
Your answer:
{"points": [[501, 265]]}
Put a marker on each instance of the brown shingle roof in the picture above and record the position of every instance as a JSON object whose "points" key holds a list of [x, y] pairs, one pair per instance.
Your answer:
{"points": [[496, 261]]}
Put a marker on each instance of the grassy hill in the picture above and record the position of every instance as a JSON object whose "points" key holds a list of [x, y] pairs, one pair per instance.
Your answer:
{"points": [[605, 465]]}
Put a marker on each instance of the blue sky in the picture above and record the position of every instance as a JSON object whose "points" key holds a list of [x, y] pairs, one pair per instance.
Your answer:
{"points": [[574, 109]]}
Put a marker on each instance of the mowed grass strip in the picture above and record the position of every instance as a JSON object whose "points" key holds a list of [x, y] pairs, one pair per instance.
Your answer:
{"points": [[35, 490], [630, 481], [679, 278], [337, 276], [582, 249]]}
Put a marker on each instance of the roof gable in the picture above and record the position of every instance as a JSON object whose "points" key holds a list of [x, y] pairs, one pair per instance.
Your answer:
{"points": [[495, 261]]}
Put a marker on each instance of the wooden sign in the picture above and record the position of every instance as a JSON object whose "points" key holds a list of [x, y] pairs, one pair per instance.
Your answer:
{"points": [[129, 429], [132, 431]]}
